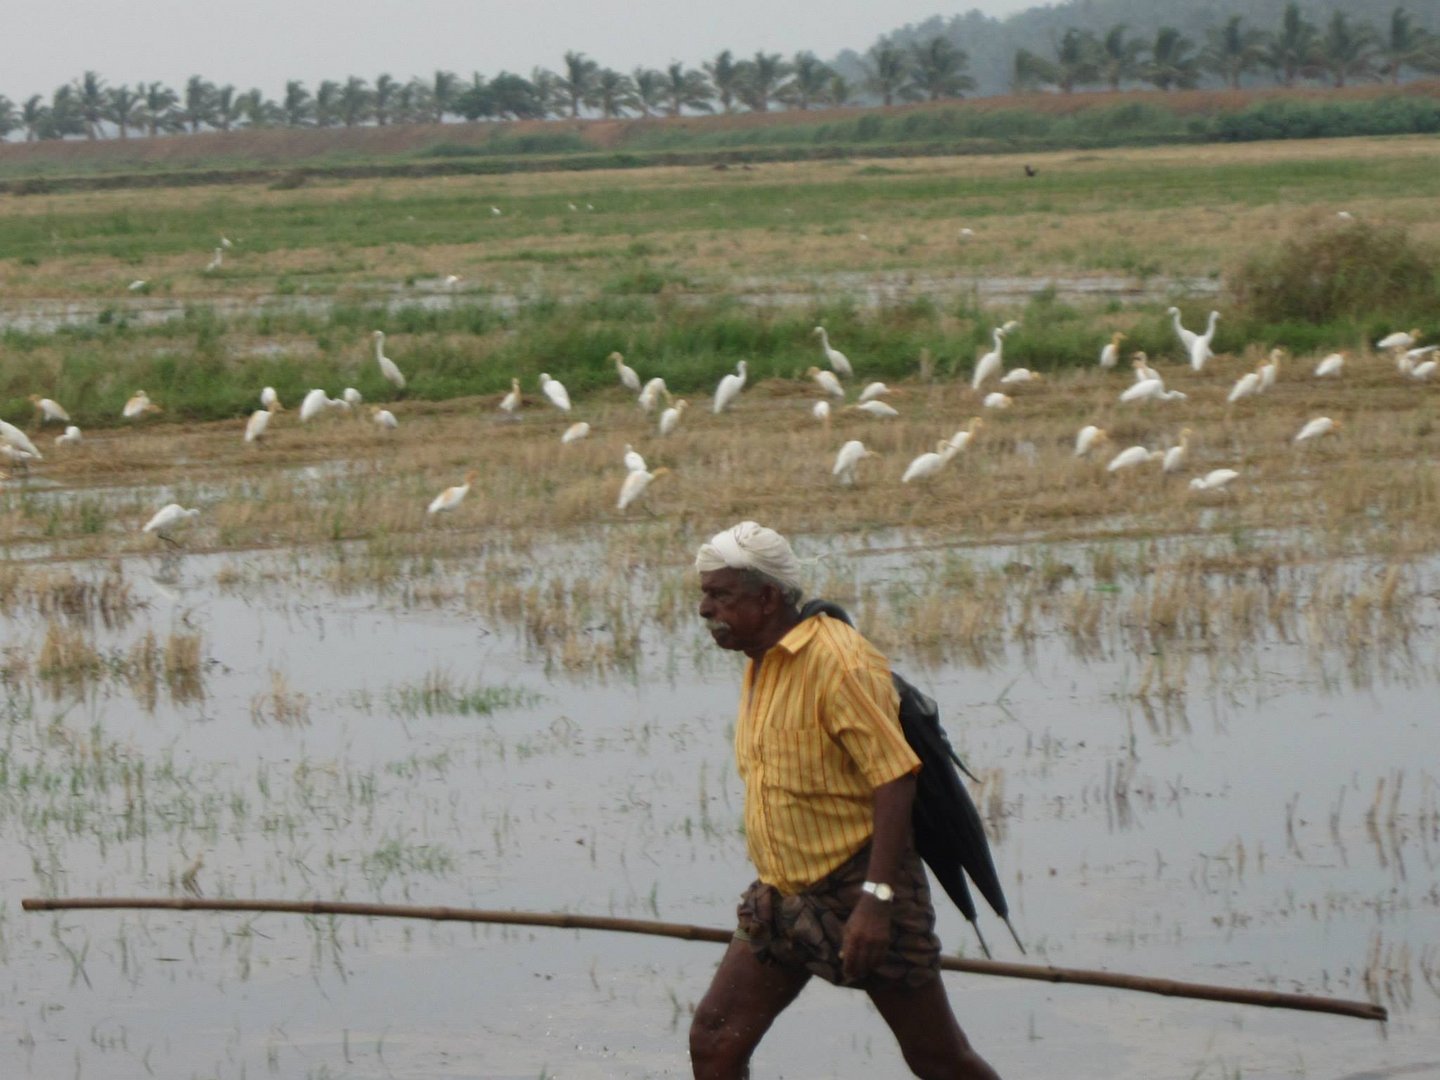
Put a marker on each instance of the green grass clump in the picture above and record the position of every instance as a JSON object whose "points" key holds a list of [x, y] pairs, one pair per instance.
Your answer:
{"points": [[1351, 270]]}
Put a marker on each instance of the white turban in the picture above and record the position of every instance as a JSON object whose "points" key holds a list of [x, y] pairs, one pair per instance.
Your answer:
{"points": [[749, 546]]}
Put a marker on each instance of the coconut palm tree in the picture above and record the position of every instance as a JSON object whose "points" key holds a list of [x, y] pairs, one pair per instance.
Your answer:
{"points": [[686, 89], [444, 89], [1406, 45], [382, 98], [34, 117], [1118, 58], [297, 107], [839, 92], [614, 93], [1170, 65], [327, 103], [578, 82], [886, 71], [1348, 51], [1293, 51], [199, 103], [724, 74], [157, 108], [548, 91], [937, 69], [93, 102], [125, 109], [412, 103], [807, 84], [649, 90], [1232, 50], [516, 96], [356, 101], [1077, 62], [65, 116], [9, 117], [761, 80], [225, 107], [475, 101], [255, 111]]}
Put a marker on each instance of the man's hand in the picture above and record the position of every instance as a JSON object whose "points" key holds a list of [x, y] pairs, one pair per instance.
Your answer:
{"points": [[866, 939]]}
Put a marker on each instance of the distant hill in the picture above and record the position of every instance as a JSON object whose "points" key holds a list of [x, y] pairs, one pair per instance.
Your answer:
{"points": [[992, 43]]}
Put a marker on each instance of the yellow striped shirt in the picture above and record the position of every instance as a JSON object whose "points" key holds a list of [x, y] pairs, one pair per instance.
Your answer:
{"points": [[818, 732]]}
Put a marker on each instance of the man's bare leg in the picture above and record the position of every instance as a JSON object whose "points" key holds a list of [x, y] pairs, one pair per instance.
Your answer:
{"points": [[743, 1001], [930, 1037]]}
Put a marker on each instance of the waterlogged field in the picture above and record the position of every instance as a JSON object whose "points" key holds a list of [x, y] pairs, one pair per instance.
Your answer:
{"points": [[1203, 721]]}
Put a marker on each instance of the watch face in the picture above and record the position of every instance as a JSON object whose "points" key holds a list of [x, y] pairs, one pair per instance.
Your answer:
{"points": [[880, 891]]}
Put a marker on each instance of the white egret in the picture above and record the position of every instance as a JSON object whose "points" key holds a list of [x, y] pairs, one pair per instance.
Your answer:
{"points": [[872, 391], [258, 422], [216, 261], [138, 405], [1187, 337], [997, 400], [628, 378], [18, 457], [1245, 386], [1140, 364], [828, 381], [495, 211], [1331, 366], [821, 411], [1213, 480], [1200, 347], [384, 418], [313, 404], [670, 418], [1110, 354], [848, 459], [1270, 370], [1150, 390], [137, 285], [351, 397], [650, 396], [388, 367], [962, 438], [1314, 429], [511, 401], [451, 497], [966, 233], [12, 436], [575, 432], [633, 460], [1088, 438], [167, 519], [225, 243], [929, 464], [635, 485], [1131, 457], [451, 281], [730, 387], [269, 397], [48, 409], [1423, 372], [1400, 339], [70, 438], [990, 363], [1018, 375], [1174, 458], [878, 409], [834, 357], [555, 390]]}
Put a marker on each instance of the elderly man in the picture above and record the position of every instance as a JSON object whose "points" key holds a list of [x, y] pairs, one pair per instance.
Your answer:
{"points": [[829, 783]]}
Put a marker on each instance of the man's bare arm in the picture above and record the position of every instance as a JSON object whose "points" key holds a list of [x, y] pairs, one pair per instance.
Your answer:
{"points": [[867, 932]]}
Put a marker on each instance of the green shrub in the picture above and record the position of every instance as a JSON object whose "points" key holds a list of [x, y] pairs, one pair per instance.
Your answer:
{"points": [[1350, 270]]}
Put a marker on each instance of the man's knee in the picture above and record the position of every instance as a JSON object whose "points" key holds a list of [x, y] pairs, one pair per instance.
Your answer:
{"points": [[714, 1041]]}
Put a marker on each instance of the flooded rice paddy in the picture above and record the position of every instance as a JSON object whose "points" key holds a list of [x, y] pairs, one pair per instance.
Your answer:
{"points": [[1265, 814]]}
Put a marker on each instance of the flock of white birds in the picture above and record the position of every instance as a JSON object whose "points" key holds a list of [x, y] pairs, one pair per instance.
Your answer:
{"points": [[1413, 361]]}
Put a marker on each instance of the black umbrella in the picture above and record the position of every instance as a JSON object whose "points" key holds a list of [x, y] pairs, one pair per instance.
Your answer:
{"points": [[949, 834]]}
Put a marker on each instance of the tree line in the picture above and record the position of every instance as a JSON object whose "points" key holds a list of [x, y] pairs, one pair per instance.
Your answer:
{"points": [[1340, 52]]}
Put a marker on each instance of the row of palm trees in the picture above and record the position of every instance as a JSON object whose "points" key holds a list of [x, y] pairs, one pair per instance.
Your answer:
{"points": [[930, 70], [1342, 52]]}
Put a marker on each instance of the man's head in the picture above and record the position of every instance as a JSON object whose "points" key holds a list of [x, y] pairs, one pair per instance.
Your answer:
{"points": [[749, 587]]}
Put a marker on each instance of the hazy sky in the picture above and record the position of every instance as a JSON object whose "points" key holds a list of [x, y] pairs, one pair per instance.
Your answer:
{"points": [[264, 42]]}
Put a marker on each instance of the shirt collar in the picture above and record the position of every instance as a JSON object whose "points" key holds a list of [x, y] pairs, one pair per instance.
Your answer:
{"points": [[799, 635]]}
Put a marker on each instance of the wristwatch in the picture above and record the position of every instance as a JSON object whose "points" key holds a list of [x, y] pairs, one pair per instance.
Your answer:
{"points": [[878, 889]]}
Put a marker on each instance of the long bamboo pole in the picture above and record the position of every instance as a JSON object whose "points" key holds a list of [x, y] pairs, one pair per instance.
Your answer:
{"points": [[1363, 1010]]}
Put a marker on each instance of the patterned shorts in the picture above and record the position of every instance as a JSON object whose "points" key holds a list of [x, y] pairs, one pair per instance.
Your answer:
{"points": [[806, 930]]}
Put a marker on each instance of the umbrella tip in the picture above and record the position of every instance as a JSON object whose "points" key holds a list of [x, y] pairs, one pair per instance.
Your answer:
{"points": [[983, 947], [1014, 935]]}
